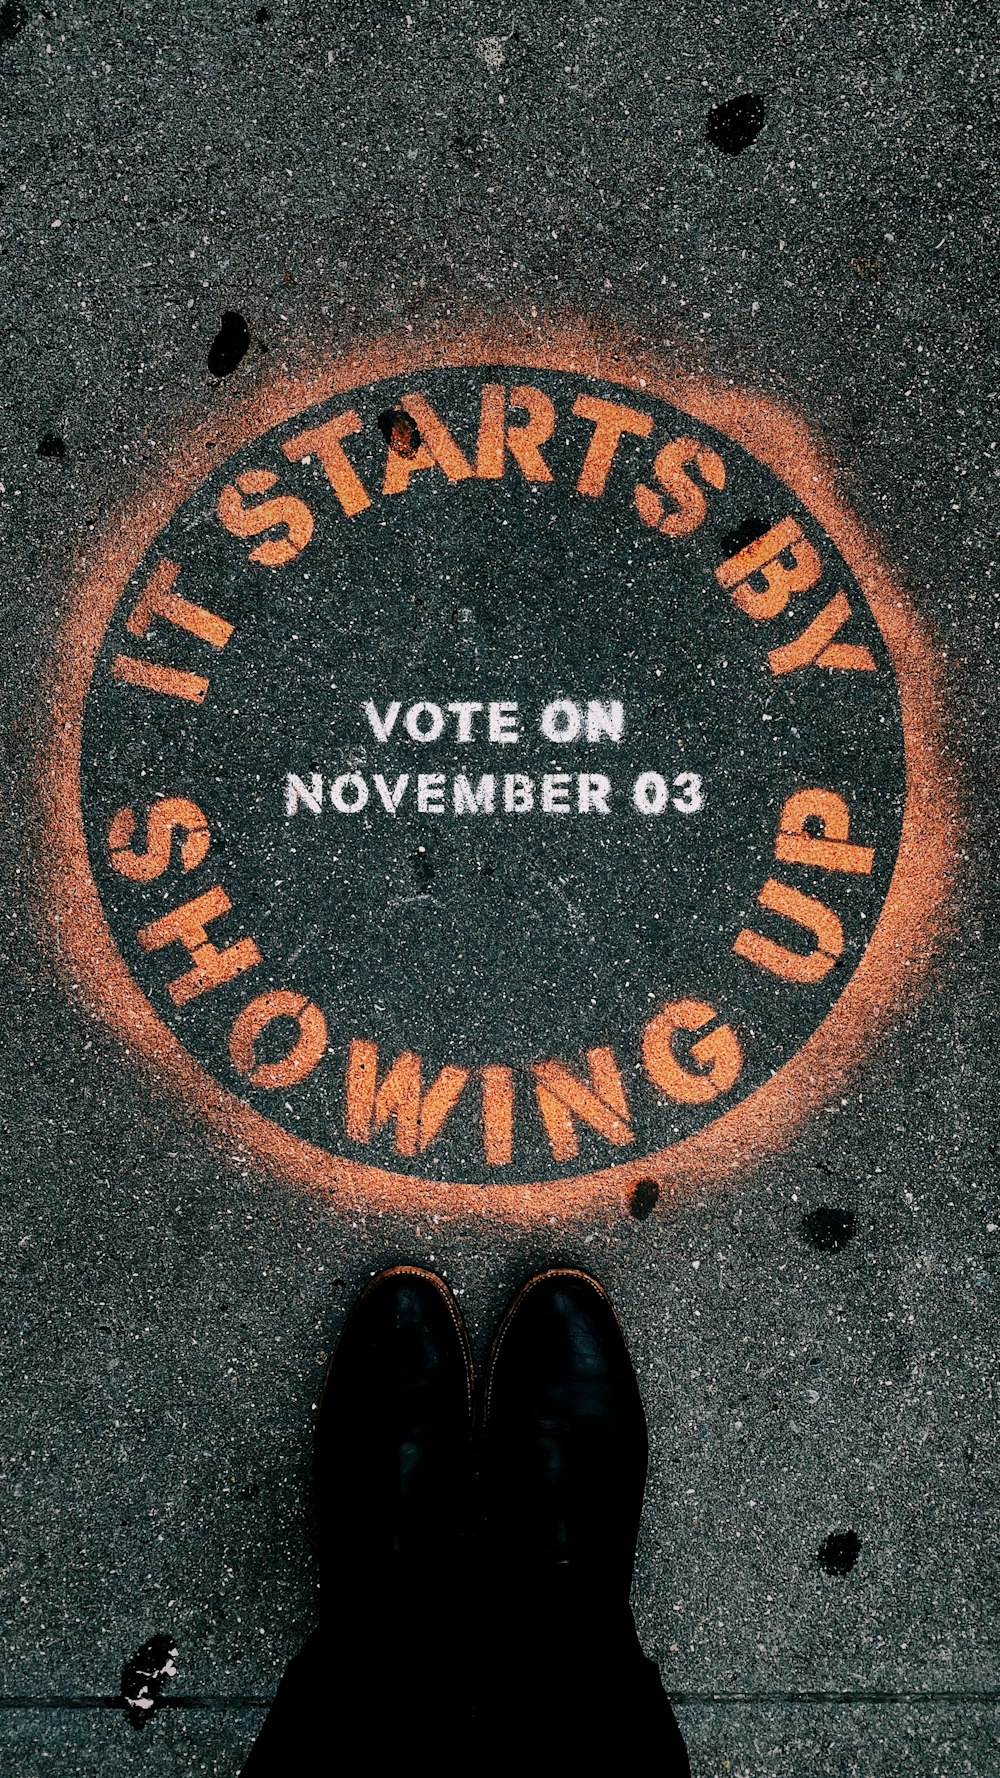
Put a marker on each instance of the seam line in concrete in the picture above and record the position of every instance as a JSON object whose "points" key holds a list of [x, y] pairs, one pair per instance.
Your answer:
{"points": [[85, 1701], [248, 1701], [991, 1697]]}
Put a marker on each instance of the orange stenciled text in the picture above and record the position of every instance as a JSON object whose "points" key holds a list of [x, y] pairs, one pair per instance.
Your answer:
{"points": [[673, 471], [324, 442], [810, 916], [170, 815], [565, 1099], [830, 848], [714, 1060], [436, 448], [611, 420], [307, 1047], [499, 435], [187, 926], [761, 579], [284, 515], [159, 600], [399, 1095], [816, 644]]}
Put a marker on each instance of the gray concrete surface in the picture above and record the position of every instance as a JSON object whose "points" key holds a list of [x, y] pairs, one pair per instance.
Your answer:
{"points": [[168, 1317]]}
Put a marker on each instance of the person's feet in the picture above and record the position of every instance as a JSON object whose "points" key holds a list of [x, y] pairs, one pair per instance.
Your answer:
{"points": [[393, 1441], [539, 1665], [564, 1440]]}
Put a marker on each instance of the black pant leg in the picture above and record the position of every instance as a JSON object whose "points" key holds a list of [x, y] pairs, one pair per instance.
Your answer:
{"points": [[539, 1685], [566, 1688], [295, 1738], [369, 1693]]}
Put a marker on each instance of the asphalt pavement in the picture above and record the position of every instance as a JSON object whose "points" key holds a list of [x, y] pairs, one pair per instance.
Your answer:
{"points": [[813, 1329]]}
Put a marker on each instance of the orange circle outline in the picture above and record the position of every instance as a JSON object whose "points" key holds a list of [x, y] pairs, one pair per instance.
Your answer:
{"points": [[892, 971]]}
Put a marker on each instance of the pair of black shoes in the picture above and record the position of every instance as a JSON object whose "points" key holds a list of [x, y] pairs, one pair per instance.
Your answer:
{"points": [[476, 1566]]}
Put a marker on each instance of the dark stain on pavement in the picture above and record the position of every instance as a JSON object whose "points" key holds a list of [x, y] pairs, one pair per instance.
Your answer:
{"points": [[400, 432], [644, 1198], [838, 1553], [746, 532], [423, 870], [467, 144], [230, 345], [735, 123], [828, 1228], [13, 18], [144, 1676], [51, 445]]}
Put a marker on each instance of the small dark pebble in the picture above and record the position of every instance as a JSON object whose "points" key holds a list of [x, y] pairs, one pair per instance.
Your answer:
{"points": [[400, 431], [230, 345], [828, 1228], [13, 18], [423, 870], [746, 532], [838, 1553], [734, 124], [642, 1203]]}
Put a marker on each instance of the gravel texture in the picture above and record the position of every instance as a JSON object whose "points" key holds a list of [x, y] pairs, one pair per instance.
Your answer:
{"points": [[331, 172]]}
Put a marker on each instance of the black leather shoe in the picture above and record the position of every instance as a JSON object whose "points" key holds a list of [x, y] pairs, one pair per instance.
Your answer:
{"points": [[564, 1441], [393, 1444], [563, 1683]]}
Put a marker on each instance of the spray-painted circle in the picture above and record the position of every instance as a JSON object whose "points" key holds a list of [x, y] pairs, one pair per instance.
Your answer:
{"points": [[487, 773], [492, 775]]}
